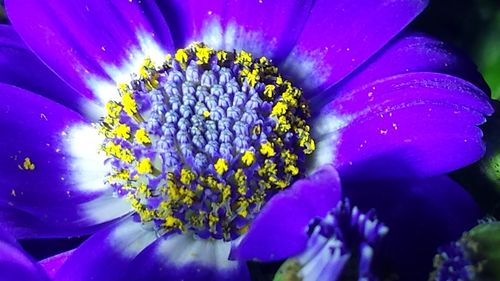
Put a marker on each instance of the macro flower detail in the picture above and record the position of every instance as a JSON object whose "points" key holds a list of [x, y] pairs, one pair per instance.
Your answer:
{"points": [[344, 235], [188, 137]]}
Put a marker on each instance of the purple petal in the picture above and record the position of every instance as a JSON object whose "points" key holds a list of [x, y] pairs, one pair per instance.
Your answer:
{"points": [[341, 35], [21, 68], [413, 52], [279, 231], [51, 169], [85, 42], [421, 215], [107, 254], [265, 28], [182, 257], [54, 263], [410, 125], [15, 264]]}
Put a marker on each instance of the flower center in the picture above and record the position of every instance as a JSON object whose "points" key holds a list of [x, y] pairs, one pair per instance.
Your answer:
{"points": [[200, 143]]}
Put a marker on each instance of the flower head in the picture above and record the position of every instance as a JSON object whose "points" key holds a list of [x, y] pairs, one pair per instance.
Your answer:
{"points": [[344, 235], [200, 143], [167, 127]]}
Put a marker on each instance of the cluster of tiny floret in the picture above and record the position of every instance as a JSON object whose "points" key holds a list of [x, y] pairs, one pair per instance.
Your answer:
{"points": [[202, 141]]}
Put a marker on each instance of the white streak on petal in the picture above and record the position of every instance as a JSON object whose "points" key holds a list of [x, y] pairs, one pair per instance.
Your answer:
{"points": [[105, 208], [235, 37], [182, 250], [88, 171], [327, 133], [106, 90], [307, 67], [212, 34], [130, 238]]}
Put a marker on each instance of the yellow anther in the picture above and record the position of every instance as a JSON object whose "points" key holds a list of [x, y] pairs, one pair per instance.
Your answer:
{"points": [[283, 125], [267, 149], [187, 176], [206, 113], [253, 77], [181, 56], [263, 60], [142, 137], [293, 170], [129, 104], [28, 165], [144, 166], [221, 166], [257, 129], [226, 192], [212, 220], [172, 222], [188, 196], [123, 174], [248, 158], [290, 98], [146, 214], [113, 109], [269, 91], [269, 168], [222, 55], [243, 207], [203, 53], [244, 58], [116, 150], [122, 131], [279, 80], [279, 108], [123, 88], [144, 190], [148, 63]]}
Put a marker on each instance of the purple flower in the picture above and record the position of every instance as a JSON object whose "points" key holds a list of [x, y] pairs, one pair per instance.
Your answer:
{"points": [[15, 264], [472, 257], [181, 132], [345, 235]]}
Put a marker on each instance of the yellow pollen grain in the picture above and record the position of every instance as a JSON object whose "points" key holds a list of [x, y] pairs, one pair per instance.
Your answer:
{"points": [[206, 113], [122, 131], [113, 109], [173, 222], [129, 104], [28, 164], [181, 56], [248, 158], [221, 166], [244, 58], [142, 137], [267, 149], [269, 91], [144, 166], [279, 108], [253, 77], [187, 176], [222, 55], [203, 53]]}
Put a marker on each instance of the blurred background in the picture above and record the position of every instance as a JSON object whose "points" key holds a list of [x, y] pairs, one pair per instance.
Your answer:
{"points": [[473, 26]]}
